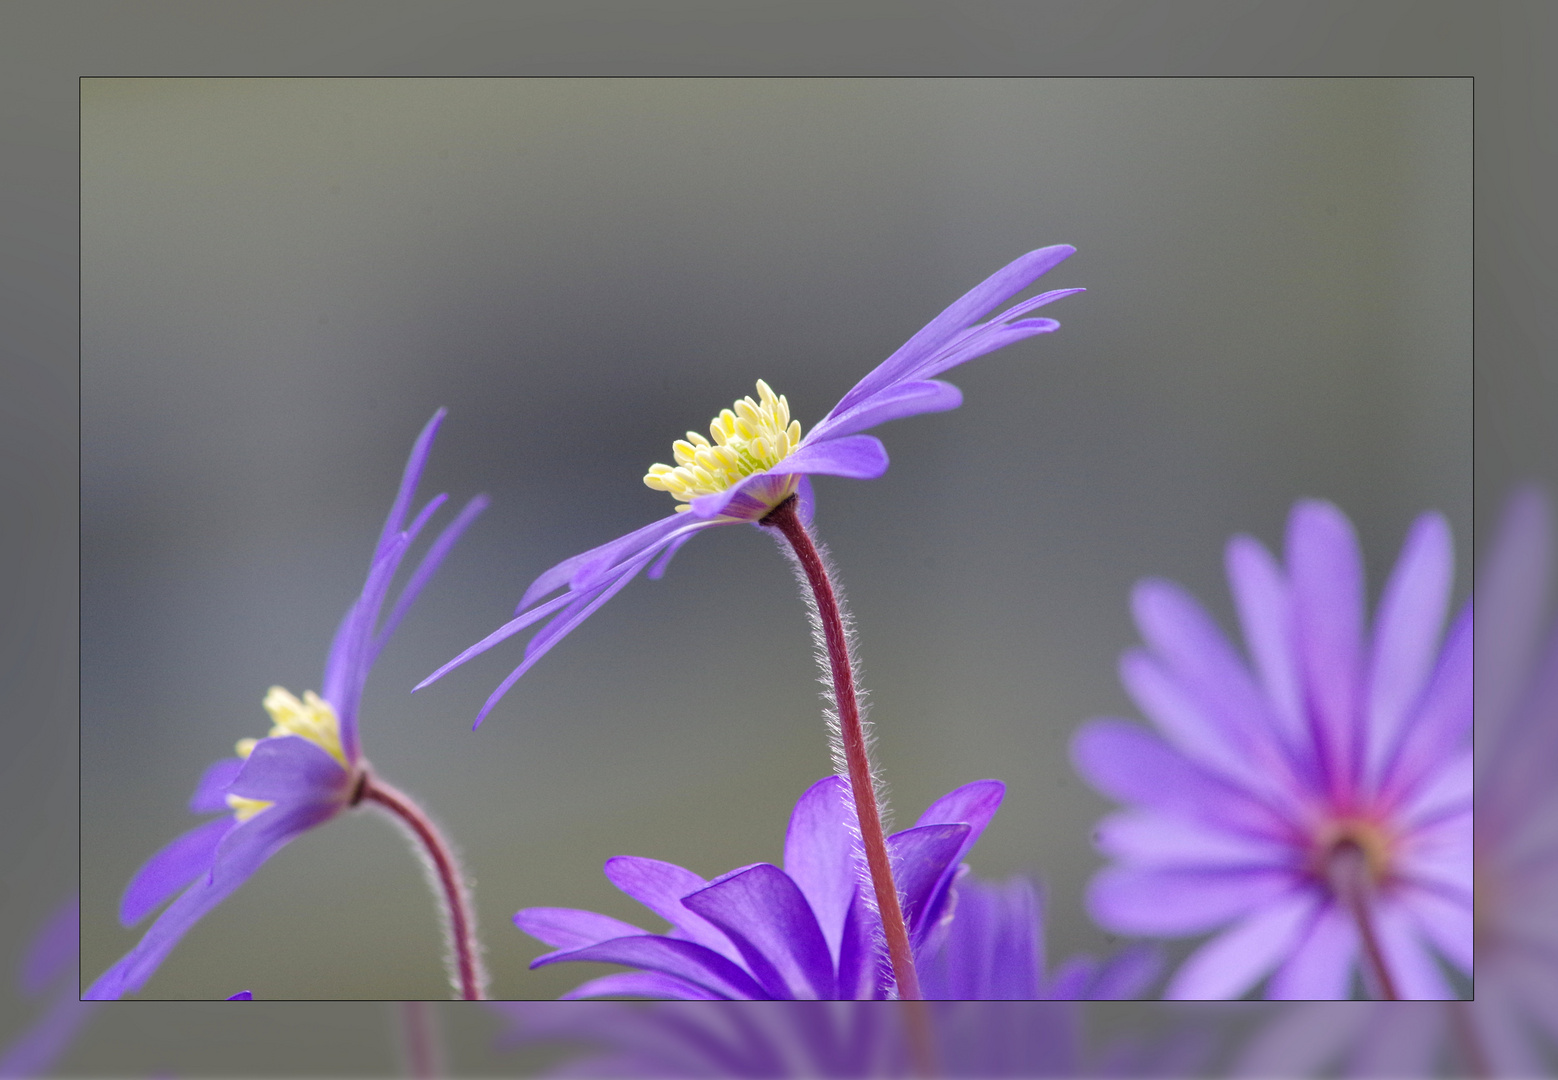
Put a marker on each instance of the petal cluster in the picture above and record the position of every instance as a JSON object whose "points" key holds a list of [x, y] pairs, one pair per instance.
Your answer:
{"points": [[765, 933], [301, 775], [1335, 741], [757, 458]]}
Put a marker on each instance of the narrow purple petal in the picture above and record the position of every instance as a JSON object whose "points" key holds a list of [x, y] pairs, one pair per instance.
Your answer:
{"points": [[1446, 923], [862, 963], [290, 769], [671, 956], [242, 995], [408, 479], [978, 301], [1126, 975], [1153, 839], [211, 793], [992, 951], [861, 457], [820, 856], [1134, 900], [38, 1049], [239, 855], [640, 984], [172, 869], [588, 563], [657, 571], [346, 668], [1320, 967], [1406, 633], [1327, 569], [501, 634], [1443, 721], [1265, 604], [992, 336], [660, 886], [1417, 976], [892, 403], [54, 950], [571, 928], [427, 568], [766, 916], [920, 856], [1229, 964], [806, 500]]}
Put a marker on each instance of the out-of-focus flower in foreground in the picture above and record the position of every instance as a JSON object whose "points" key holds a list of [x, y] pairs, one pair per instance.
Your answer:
{"points": [[1316, 811], [759, 932], [308, 769], [50, 962], [756, 457]]}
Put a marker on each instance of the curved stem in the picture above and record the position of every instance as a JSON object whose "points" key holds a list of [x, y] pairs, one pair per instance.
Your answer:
{"points": [[456, 905], [787, 521], [1348, 867], [419, 1032]]}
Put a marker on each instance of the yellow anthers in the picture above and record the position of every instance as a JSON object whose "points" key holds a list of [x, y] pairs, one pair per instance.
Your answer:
{"points": [[312, 719], [244, 809], [749, 437]]}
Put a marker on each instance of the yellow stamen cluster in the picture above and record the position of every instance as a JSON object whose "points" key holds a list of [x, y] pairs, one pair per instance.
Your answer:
{"points": [[312, 719], [749, 437]]}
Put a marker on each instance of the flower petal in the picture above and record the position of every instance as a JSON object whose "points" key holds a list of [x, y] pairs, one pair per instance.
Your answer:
{"points": [[409, 478], [660, 886], [426, 569], [1512, 594], [974, 805], [891, 403], [172, 869], [820, 856], [1162, 902], [1320, 967], [768, 919], [1126, 975], [920, 857], [290, 769], [1265, 603], [211, 793], [1406, 632], [571, 928], [672, 956], [1443, 720], [54, 951], [640, 984], [993, 949], [1416, 975], [1236, 959], [579, 570], [860, 457], [1327, 569], [1154, 839]]}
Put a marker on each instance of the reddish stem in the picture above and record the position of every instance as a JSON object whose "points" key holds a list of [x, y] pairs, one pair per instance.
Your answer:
{"points": [[456, 905], [1351, 883], [419, 1030], [785, 518]]}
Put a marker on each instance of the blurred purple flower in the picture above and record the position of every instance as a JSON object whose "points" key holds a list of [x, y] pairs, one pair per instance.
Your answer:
{"points": [[50, 961], [758, 458], [1511, 1028], [305, 772], [760, 932], [1320, 807]]}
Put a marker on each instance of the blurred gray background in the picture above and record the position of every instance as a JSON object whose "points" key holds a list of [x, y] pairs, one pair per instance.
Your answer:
{"points": [[282, 279]]}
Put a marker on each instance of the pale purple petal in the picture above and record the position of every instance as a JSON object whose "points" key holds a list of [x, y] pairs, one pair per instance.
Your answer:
{"points": [[211, 793], [1446, 923], [38, 1049], [290, 769], [1327, 570], [1128, 763], [242, 995], [1512, 594], [974, 805], [1444, 716], [1321, 964], [1232, 962], [1153, 839], [819, 855], [657, 571], [893, 403], [978, 301], [1265, 604], [590, 563], [660, 886], [239, 855], [806, 501], [54, 950], [766, 916], [1126, 975], [1134, 900], [1406, 633], [641, 984], [501, 634], [1305, 1038], [427, 568], [920, 857], [172, 869], [1445, 791], [861, 962], [1416, 975], [408, 480], [672, 956], [992, 951], [994, 335], [571, 928]]}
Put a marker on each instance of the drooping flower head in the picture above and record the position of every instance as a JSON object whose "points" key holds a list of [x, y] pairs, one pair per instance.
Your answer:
{"points": [[761, 932], [756, 457], [1316, 809], [307, 769]]}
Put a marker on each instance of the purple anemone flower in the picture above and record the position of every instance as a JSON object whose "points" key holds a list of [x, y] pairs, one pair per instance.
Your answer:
{"points": [[1316, 810], [762, 933], [305, 772], [757, 457]]}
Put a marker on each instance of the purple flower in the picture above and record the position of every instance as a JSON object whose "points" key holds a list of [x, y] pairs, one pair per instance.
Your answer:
{"points": [[50, 962], [305, 772], [1318, 809], [760, 932], [757, 458]]}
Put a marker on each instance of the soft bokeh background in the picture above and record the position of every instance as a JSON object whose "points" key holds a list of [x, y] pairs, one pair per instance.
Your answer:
{"points": [[955, 241], [283, 278]]}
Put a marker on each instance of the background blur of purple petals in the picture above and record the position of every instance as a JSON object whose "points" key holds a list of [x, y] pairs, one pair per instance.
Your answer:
{"points": [[1279, 306]]}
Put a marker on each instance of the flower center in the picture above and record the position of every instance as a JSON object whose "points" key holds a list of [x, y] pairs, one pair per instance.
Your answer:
{"points": [[749, 437], [1358, 841], [312, 719]]}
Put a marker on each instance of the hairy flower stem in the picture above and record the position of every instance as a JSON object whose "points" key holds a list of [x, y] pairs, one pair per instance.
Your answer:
{"points": [[455, 903], [787, 520], [419, 1032], [1348, 867]]}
